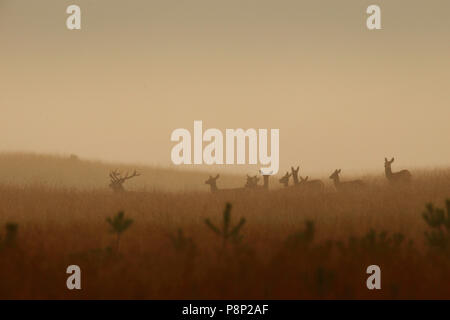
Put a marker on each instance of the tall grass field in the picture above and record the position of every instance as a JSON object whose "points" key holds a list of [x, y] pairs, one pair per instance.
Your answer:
{"points": [[169, 237]]}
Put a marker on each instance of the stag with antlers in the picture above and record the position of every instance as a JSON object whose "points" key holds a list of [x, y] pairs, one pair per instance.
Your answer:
{"points": [[117, 180]]}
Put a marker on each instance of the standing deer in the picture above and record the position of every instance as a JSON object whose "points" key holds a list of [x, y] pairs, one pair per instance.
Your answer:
{"points": [[347, 185], [312, 185], [212, 181], [403, 176], [117, 180]]}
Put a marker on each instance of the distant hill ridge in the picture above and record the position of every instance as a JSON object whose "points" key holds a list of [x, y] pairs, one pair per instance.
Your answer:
{"points": [[72, 172], [24, 169]]}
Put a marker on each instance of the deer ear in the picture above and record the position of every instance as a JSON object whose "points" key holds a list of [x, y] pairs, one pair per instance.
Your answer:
{"points": [[339, 171], [392, 160], [306, 177], [217, 176], [292, 168]]}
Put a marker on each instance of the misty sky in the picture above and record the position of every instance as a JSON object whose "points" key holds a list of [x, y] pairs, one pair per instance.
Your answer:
{"points": [[341, 95]]}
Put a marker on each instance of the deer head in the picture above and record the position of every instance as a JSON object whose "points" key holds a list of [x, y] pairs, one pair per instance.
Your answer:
{"points": [[387, 163], [212, 180], [335, 174], [117, 179], [295, 174], [252, 182], [285, 179]]}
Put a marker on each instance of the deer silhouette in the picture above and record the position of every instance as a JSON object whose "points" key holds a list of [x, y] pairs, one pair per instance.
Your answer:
{"points": [[117, 180], [295, 175], [212, 181], [304, 183], [252, 182], [311, 185], [347, 185], [403, 176], [285, 179]]}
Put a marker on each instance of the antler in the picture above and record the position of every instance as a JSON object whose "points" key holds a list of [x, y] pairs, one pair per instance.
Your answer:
{"points": [[116, 176], [135, 174]]}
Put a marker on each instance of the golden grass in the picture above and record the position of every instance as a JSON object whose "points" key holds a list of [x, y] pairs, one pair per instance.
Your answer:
{"points": [[63, 225]]}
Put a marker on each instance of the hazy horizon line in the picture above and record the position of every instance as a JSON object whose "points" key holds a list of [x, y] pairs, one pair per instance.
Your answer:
{"points": [[207, 169]]}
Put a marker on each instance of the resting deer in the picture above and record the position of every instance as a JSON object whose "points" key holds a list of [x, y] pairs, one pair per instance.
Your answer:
{"points": [[212, 181], [313, 185], [285, 179], [403, 176], [347, 185], [117, 180], [252, 183]]}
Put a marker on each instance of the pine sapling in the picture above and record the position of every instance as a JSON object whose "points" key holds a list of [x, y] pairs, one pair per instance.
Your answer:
{"points": [[118, 225], [227, 232], [302, 238], [439, 220], [181, 243], [11, 235]]}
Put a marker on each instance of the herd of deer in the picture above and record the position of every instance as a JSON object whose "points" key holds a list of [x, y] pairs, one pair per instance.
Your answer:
{"points": [[403, 176]]}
